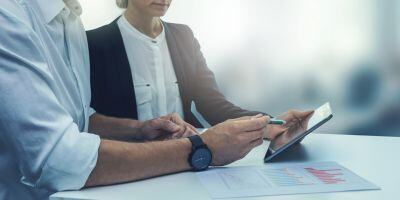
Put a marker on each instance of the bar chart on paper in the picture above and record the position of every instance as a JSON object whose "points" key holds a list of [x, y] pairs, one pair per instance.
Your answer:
{"points": [[328, 176], [279, 179]]}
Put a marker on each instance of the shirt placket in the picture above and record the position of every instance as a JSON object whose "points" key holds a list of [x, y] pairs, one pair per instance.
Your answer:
{"points": [[68, 18], [159, 79]]}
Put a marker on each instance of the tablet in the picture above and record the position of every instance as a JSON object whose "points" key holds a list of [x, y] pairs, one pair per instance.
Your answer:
{"points": [[284, 141]]}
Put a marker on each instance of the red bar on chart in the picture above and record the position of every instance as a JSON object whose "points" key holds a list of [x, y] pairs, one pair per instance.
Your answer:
{"points": [[328, 176]]}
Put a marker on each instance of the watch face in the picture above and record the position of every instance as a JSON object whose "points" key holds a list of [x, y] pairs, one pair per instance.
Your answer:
{"points": [[201, 159]]}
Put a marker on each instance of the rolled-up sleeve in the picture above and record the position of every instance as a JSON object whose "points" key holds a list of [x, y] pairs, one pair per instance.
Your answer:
{"points": [[49, 149]]}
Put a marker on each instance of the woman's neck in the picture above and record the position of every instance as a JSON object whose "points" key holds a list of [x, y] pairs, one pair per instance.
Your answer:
{"points": [[148, 25]]}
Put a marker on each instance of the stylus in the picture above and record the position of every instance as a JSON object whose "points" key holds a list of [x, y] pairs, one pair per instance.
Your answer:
{"points": [[277, 121]]}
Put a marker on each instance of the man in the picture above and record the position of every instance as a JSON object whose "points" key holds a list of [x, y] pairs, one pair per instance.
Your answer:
{"points": [[44, 115]]}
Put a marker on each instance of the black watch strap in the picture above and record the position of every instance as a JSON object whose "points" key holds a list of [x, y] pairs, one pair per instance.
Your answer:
{"points": [[196, 141]]}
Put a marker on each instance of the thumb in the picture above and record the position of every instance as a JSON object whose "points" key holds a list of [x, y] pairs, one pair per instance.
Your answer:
{"points": [[305, 114]]}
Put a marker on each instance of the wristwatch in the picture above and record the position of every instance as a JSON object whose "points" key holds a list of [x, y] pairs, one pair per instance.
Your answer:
{"points": [[200, 158]]}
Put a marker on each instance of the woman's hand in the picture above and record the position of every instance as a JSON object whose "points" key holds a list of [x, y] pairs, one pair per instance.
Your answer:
{"points": [[166, 127], [296, 122], [186, 128]]}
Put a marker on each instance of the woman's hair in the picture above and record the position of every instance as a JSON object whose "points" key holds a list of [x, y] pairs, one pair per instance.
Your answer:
{"points": [[122, 3]]}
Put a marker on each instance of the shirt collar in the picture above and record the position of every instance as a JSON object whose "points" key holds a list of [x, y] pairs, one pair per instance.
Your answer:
{"points": [[155, 41], [51, 8], [74, 6]]}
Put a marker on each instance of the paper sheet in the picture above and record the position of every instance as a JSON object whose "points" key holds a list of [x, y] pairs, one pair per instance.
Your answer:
{"points": [[279, 179]]}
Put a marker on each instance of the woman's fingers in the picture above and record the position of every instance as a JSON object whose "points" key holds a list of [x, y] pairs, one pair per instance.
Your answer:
{"points": [[192, 128]]}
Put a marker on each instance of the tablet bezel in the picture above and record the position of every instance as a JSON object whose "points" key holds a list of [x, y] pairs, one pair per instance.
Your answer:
{"points": [[270, 155]]}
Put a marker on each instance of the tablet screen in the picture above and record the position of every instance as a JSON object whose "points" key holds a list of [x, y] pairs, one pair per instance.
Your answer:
{"points": [[320, 114]]}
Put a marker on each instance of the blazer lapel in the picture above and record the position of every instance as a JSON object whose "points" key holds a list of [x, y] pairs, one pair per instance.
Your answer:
{"points": [[121, 62], [178, 67]]}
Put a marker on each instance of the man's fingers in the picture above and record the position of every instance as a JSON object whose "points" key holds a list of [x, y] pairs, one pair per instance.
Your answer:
{"points": [[274, 131], [254, 135], [251, 124], [240, 118], [255, 143], [256, 116], [246, 117], [166, 125], [252, 145]]}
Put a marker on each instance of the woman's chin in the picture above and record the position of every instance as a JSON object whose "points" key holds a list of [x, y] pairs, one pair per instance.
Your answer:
{"points": [[159, 13]]}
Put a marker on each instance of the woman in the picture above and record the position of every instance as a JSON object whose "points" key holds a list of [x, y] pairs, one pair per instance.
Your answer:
{"points": [[142, 68]]}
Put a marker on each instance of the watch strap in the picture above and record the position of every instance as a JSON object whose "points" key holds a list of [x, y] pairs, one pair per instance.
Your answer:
{"points": [[196, 141]]}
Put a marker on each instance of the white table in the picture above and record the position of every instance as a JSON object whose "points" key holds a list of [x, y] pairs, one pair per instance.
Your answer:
{"points": [[374, 158]]}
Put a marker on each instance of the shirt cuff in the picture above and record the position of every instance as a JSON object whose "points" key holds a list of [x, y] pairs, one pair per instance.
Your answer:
{"points": [[70, 163]]}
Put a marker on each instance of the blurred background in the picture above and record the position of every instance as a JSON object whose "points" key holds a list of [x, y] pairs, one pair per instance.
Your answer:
{"points": [[272, 56]]}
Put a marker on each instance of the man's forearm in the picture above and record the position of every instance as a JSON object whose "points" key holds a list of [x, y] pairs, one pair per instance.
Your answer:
{"points": [[120, 162], [114, 128]]}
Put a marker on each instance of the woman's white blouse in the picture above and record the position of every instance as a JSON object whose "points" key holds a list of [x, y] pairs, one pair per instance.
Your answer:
{"points": [[154, 79]]}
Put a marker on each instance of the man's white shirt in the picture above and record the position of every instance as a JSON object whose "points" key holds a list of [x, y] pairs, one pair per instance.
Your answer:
{"points": [[44, 99]]}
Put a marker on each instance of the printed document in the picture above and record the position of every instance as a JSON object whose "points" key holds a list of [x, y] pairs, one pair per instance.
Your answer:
{"points": [[280, 179]]}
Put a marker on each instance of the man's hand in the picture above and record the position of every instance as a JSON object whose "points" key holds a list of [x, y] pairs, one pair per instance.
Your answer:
{"points": [[233, 139], [166, 127], [296, 122]]}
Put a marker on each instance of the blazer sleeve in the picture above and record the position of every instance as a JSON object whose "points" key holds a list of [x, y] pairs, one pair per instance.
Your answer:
{"points": [[210, 102]]}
